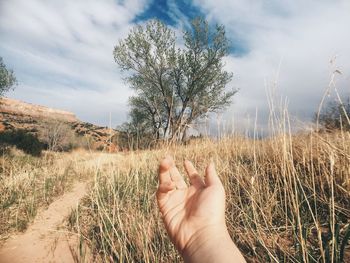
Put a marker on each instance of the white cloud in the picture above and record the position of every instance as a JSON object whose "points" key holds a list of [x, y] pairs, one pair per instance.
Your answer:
{"points": [[61, 52], [288, 41]]}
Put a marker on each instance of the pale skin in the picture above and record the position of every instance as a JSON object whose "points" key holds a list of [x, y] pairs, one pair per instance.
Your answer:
{"points": [[194, 215]]}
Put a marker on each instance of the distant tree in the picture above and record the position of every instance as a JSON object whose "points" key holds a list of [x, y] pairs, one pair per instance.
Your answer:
{"points": [[7, 78], [137, 133], [174, 86], [335, 115], [59, 136]]}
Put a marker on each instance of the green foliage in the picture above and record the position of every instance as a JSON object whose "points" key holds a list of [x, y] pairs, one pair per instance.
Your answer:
{"points": [[7, 78], [175, 87], [23, 140], [134, 135]]}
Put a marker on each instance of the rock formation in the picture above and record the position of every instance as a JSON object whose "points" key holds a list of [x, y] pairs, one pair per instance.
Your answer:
{"points": [[15, 114]]}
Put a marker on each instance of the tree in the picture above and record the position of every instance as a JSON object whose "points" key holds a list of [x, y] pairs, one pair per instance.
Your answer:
{"points": [[58, 136], [174, 86], [7, 78], [335, 115], [138, 132]]}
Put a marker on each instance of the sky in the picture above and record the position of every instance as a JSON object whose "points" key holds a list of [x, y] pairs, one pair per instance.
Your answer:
{"points": [[283, 52]]}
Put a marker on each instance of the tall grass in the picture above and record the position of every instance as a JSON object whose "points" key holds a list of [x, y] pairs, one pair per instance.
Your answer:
{"points": [[28, 183], [288, 196], [288, 199]]}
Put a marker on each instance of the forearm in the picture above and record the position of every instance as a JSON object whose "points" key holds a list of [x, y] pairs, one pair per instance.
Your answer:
{"points": [[212, 246]]}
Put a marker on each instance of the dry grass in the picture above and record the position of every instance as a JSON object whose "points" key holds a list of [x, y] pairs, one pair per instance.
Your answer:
{"points": [[28, 183], [287, 199]]}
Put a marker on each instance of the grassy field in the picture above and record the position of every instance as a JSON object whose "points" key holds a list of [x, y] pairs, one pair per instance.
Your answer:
{"points": [[288, 197], [28, 183]]}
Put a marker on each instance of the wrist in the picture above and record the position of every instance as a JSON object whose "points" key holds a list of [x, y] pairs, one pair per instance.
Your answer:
{"points": [[205, 241]]}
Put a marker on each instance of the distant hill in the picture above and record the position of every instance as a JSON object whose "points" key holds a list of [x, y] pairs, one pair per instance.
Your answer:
{"points": [[15, 114]]}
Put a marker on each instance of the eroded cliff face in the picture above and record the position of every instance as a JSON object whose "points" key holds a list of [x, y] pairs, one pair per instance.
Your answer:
{"points": [[20, 108], [15, 114]]}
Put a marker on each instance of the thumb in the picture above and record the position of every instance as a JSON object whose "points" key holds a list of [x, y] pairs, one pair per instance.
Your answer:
{"points": [[211, 177]]}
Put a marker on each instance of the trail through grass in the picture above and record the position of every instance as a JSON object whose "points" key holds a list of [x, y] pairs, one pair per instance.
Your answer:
{"points": [[288, 197]]}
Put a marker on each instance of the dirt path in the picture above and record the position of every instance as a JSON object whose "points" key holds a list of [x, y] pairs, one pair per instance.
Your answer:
{"points": [[44, 241]]}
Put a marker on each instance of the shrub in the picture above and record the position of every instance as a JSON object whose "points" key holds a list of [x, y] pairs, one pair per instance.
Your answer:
{"points": [[61, 137], [23, 140], [335, 116], [57, 136]]}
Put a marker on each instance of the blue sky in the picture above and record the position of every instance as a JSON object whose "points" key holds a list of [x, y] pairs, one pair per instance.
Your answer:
{"points": [[61, 52], [171, 12]]}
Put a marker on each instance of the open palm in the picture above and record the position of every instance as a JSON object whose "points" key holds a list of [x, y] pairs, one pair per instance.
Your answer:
{"points": [[189, 211]]}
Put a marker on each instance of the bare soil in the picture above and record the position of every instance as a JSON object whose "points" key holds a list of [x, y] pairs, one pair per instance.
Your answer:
{"points": [[46, 240]]}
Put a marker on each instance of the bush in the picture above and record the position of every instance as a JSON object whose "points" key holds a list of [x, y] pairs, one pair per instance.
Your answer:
{"points": [[23, 140], [57, 136], [61, 137], [335, 116]]}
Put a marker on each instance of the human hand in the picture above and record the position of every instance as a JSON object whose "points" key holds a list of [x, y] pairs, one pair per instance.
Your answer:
{"points": [[190, 211], [194, 215]]}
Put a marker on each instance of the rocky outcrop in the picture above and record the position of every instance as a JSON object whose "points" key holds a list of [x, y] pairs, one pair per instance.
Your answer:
{"points": [[36, 119], [102, 136], [20, 108]]}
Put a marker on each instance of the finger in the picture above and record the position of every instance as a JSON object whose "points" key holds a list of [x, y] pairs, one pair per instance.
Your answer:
{"points": [[211, 176], [175, 175], [163, 190], [192, 173], [166, 187], [164, 170], [169, 172], [177, 178], [165, 182]]}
